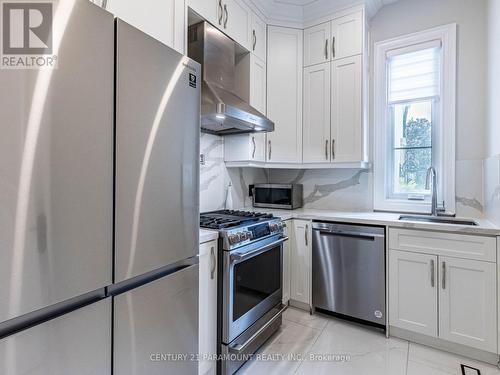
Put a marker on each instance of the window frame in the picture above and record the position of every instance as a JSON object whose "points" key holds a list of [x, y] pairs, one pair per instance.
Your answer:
{"points": [[443, 137]]}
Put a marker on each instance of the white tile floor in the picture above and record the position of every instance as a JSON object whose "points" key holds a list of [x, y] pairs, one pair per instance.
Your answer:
{"points": [[366, 351]]}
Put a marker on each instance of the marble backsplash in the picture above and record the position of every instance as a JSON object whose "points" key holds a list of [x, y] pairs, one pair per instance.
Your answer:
{"points": [[337, 189], [492, 189]]}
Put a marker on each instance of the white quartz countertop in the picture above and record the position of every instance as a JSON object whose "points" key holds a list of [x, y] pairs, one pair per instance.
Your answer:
{"points": [[207, 235], [484, 227]]}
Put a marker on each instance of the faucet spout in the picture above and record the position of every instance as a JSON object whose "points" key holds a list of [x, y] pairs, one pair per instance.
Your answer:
{"points": [[432, 179]]}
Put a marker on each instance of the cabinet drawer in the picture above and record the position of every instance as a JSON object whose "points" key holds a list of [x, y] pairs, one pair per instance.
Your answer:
{"points": [[446, 244]]}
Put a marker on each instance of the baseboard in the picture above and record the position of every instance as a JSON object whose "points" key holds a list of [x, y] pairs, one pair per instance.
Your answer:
{"points": [[299, 305], [465, 351]]}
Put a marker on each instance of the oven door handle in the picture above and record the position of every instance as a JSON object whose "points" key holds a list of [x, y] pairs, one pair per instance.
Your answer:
{"points": [[237, 349], [238, 257]]}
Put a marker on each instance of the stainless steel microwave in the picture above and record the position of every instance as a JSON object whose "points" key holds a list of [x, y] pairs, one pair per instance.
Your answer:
{"points": [[282, 196]]}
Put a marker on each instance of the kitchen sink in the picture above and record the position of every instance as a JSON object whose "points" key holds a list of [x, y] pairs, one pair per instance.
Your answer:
{"points": [[437, 219]]}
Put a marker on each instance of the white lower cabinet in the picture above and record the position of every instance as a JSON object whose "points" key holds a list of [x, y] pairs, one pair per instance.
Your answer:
{"points": [[208, 308], [286, 261], [413, 301], [300, 265], [453, 299], [467, 303]]}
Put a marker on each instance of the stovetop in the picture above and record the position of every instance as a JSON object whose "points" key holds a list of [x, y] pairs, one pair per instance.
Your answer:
{"points": [[230, 218]]}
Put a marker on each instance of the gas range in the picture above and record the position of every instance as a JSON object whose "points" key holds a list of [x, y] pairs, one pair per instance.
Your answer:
{"points": [[239, 228]]}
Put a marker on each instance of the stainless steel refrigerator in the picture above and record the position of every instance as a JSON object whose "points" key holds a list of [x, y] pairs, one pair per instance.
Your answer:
{"points": [[157, 206], [99, 204]]}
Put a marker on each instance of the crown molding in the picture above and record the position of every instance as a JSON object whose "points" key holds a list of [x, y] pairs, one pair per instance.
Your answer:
{"points": [[302, 14]]}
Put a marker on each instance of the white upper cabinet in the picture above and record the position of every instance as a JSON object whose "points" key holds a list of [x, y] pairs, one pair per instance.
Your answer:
{"points": [[347, 36], [317, 44], [316, 135], [258, 37], [284, 94], [211, 10], [340, 38], [237, 22], [346, 110], [258, 84], [162, 19]]}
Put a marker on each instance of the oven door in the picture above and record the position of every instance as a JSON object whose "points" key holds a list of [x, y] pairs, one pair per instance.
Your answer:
{"points": [[252, 284]]}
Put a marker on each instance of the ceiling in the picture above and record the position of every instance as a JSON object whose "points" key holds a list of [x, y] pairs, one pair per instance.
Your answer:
{"points": [[303, 12]]}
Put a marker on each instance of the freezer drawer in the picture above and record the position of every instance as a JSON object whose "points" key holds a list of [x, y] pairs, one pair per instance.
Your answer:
{"points": [[56, 167], [155, 322], [348, 267], [77, 343], [157, 148]]}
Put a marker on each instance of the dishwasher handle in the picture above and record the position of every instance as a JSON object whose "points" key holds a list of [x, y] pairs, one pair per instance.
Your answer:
{"points": [[360, 235]]}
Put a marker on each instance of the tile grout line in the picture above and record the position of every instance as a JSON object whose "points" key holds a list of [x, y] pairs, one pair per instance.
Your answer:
{"points": [[407, 358], [307, 351]]}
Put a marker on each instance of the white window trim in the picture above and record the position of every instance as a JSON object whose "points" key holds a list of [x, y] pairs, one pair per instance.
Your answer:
{"points": [[447, 34]]}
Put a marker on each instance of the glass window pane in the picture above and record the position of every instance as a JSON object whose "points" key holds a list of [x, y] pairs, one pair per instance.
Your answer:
{"points": [[410, 168], [412, 124]]}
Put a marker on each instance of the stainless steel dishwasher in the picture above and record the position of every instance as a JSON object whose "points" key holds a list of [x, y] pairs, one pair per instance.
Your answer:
{"points": [[348, 270]]}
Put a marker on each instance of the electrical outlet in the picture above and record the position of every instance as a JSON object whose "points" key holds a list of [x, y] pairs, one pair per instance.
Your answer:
{"points": [[202, 159], [250, 190]]}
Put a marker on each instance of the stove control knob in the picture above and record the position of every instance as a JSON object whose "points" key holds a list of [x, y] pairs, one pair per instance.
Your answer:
{"points": [[273, 227], [284, 224], [247, 235], [234, 239], [280, 226]]}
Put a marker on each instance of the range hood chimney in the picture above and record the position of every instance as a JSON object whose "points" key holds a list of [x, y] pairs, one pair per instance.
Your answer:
{"points": [[222, 111]]}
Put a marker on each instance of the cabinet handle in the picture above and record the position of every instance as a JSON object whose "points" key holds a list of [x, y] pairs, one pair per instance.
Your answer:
{"points": [[432, 273], [443, 281], [227, 15], [333, 47], [254, 40], [326, 149], [333, 149], [212, 260], [270, 149], [326, 49], [254, 147], [306, 235], [221, 12]]}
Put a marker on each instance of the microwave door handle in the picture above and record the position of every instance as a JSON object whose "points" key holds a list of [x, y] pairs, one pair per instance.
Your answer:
{"points": [[239, 257]]}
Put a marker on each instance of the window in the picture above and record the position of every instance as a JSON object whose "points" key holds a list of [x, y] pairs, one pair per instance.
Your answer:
{"points": [[414, 120]]}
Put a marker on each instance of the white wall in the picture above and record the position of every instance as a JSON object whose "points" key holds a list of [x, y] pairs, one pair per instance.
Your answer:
{"points": [[493, 127], [407, 16], [492, 162]]}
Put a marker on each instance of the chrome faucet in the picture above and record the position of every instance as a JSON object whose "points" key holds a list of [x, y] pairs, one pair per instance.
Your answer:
{"points": [[431, 175]]}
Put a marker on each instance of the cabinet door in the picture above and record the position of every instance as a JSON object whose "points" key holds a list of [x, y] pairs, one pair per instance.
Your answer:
{"points": [[245, 147], [161, 19], [258, 84], [347, 36], [286, 261], [317, 47], [300, 275], [316, 133], [413, 296], [259, 37], [284, 94], [211, 10], [346, 110], [467, 303], [237, 21], [208, 307]]}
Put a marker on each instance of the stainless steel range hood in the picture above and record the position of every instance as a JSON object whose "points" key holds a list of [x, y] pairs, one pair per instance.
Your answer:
{"points": [[222, 110]]}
